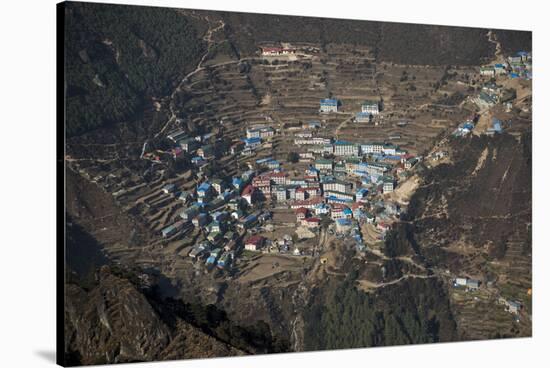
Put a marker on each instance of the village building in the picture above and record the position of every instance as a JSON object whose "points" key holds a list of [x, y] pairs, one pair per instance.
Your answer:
{"points": [[321, 209], [273, 164], [218, 185], [472, 284], [369, 217], [311, 222], [513, 306], [204, 190], [373, 147], [388, 185], [188, 144], [487, 71], [500, 69], [254, 243], [337, 211], [409, 163], [252, 142], [169, 188], [338, 197], [185, 196], [201, 220], [249, 194], [308, 203], [312, 124], [370, 107], [328, 105], [324, 165], [337, 186], [260, 132], [313, 191], [206, 151], [376, 168], [189, 213], [343, 225], [278, 178], [263, 184], [247, 222], [300, 194], [484, 100], [276, 51], [305, 141], [343, 148], [176, 135], [496, 127], [301, 213], [389, 149], [361, 193], [236, 147], [168, 231], [200, 249], [214, 236], [280, 193], [362, 117]]}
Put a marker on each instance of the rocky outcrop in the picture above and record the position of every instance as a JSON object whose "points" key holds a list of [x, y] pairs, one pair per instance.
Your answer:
{"points": [[114, 323]]}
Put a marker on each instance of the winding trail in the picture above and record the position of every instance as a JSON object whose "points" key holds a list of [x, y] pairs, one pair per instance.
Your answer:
{"points": [[210, 43], [492, 37]]}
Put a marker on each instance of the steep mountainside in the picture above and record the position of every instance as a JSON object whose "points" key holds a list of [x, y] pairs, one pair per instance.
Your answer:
{"points": [[119, 57], [113, 322], [410, 312]]}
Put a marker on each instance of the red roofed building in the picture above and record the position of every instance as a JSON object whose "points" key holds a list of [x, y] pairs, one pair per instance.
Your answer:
{"points": [[278, 178], [263, 184], [309, 203], [314, 191], [300, 194], [337, 211], [272, 51], [248, 194], [301, 213], [311, 222], [405, 157], [254, 242]]}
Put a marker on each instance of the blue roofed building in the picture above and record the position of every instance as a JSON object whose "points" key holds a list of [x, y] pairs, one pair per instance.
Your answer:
{"points": [[204, 190], [343, 225], [328, 105], [252, 142], [496, 128], [362, 117], [344, 148], [348, 213]]}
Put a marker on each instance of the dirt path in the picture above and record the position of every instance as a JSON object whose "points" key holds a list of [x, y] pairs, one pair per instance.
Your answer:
{"points": [[341, 126], [481, 161], [368, 285], [210, 43], [498, 49]]}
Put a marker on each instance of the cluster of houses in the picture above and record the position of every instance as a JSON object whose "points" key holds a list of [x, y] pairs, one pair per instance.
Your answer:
{"points": [[512, 306], [340, 183], [255, 137], [202, 148], [492, 94], [516, 66], [369, 109], [277, 51], [223, 211], [466, 283], [343, 184]]}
